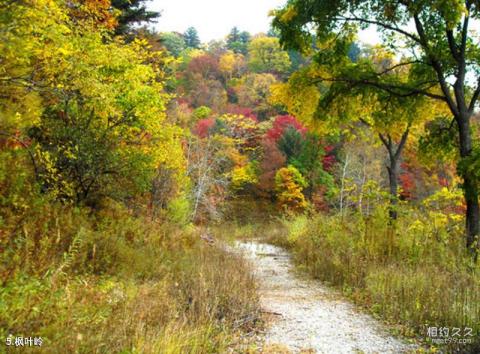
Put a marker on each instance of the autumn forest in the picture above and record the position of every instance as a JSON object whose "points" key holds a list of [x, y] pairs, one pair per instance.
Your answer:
{"points": [[134, 162]]}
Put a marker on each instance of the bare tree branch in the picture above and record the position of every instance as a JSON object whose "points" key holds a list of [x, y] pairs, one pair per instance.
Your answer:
{"points": [[396, 90], [474, 98], [436, 65], [380, 24]]}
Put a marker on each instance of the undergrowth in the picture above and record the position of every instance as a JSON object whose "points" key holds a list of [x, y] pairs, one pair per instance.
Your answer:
{"points": [[114, 282]]}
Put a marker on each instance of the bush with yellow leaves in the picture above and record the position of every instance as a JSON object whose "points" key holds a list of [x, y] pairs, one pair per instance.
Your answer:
{"points": [[289, 184]]}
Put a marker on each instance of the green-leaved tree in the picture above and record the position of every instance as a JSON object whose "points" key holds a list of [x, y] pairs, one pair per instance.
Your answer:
{"points": [[443, 57]]}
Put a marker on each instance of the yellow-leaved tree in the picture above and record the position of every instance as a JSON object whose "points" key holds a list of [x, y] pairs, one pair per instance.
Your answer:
{"points": [[91, 107], [289, 184]]}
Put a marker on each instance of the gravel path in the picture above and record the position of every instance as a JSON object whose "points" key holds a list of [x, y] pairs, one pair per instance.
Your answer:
{"points": [[308, 316]]}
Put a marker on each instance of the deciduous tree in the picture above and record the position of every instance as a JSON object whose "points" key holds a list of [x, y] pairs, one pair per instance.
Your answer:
{"points": [[173, 42], [266, 56], [442, 52]]}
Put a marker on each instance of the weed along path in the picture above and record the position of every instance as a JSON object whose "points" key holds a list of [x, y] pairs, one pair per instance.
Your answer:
{"points": [[308, 317]]}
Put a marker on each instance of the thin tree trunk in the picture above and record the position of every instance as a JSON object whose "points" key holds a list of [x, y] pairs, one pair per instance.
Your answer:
{"points": [[394, 154], [342, 187], [473, 212], [470, 188], [393, 188]]}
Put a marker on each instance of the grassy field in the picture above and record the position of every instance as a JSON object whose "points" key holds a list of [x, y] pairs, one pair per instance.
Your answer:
{"points": [[115, 282]]}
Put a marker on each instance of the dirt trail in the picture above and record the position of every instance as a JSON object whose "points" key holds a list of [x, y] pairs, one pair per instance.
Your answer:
{"points": [[309, 316]]}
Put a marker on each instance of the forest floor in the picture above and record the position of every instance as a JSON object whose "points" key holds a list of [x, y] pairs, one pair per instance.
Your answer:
{"points": [[307, 316]]}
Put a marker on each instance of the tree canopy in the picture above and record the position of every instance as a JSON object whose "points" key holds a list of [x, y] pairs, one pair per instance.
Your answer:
{"points": [[266, 56], [436, 42]]}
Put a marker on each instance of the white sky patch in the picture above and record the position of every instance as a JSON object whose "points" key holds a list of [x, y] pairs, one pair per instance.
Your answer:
{"points": [[214, 19], [369, 36]]}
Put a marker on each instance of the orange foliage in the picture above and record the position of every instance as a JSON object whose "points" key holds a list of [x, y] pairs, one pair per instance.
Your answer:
{"points": [[98, 12]]}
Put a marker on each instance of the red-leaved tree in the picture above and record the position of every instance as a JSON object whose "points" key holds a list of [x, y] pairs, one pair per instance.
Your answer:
{"points": [[203, 127], [281, 123]]}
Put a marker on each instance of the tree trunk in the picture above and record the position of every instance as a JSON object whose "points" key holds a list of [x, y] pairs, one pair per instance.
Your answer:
{"points": [[393, 182], [342, 187], [473, 211], [470, 188], [394, 155]]}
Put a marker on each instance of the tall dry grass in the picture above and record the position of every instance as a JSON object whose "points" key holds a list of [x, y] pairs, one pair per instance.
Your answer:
{"points": [[415, 274], [116, 283]]}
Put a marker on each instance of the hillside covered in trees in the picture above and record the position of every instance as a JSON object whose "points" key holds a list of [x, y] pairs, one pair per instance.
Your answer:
{"points": [[131, 159]]}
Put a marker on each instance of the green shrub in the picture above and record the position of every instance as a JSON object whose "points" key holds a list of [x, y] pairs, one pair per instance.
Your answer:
{"points": [[179, 210]]}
